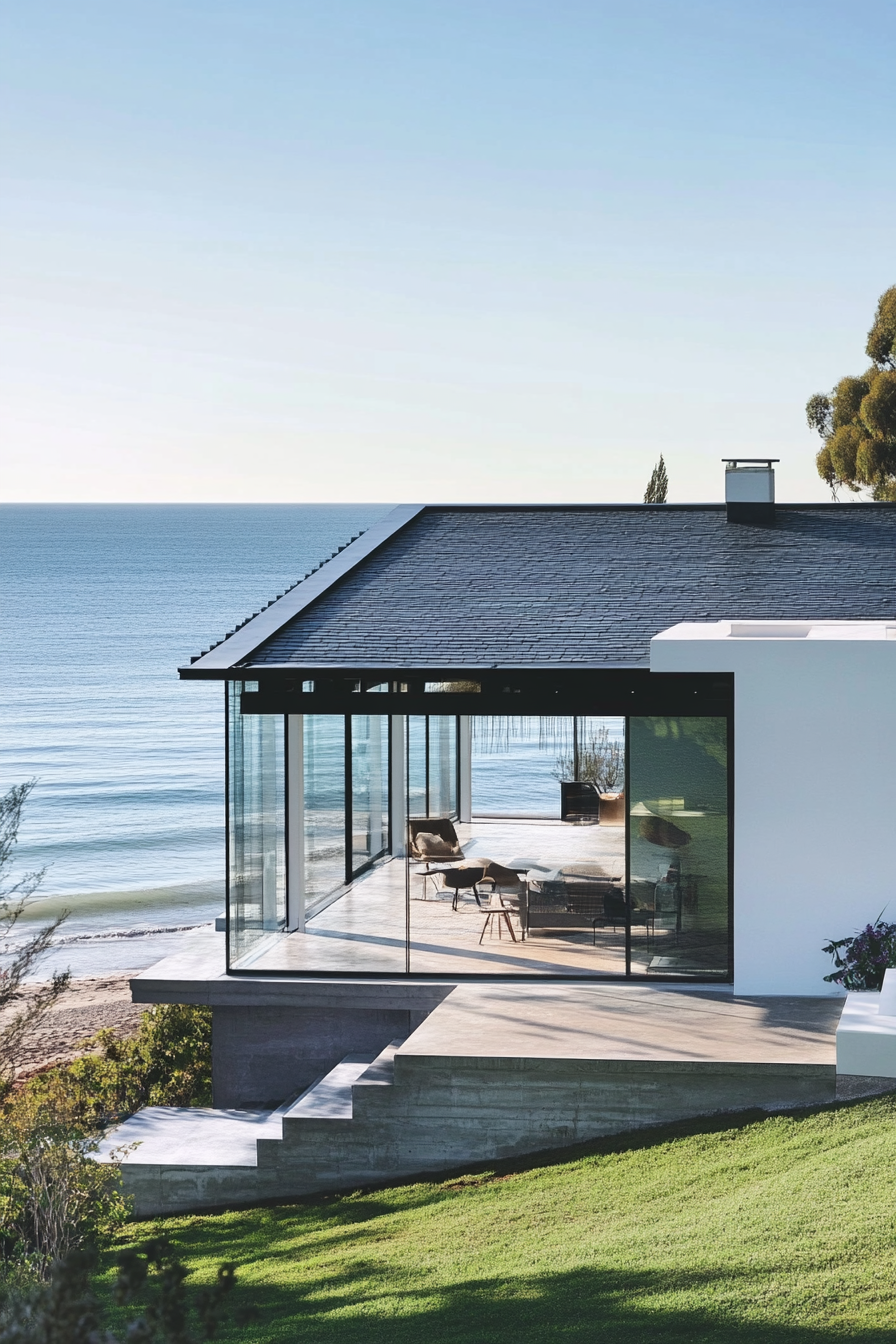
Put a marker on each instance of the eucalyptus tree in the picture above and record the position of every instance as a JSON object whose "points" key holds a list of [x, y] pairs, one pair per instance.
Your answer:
{"points": [[857, 420]]}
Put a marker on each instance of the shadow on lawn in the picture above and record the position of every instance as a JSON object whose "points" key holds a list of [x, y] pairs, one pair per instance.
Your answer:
{"points": [[583, 1305]]}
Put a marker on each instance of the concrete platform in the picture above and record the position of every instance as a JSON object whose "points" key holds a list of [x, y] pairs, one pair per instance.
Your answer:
{"points": [[496, 1071], [629, 1023], [195, 1136]]}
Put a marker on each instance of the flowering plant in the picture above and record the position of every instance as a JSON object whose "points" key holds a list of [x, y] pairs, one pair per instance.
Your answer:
{"points": [[861, 961]]}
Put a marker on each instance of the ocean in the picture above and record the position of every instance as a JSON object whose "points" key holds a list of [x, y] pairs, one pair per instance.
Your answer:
{"points": [[101, 603]]}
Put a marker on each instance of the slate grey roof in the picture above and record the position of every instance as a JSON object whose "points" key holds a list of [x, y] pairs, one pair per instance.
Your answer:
{"points": [[523, 587]]}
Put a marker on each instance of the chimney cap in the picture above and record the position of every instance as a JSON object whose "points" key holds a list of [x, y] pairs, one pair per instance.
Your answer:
{"points": [[750, 461], [750, 489]]}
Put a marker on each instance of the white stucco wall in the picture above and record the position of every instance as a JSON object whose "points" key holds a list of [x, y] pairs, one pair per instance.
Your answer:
{"points": [[815, 785]]}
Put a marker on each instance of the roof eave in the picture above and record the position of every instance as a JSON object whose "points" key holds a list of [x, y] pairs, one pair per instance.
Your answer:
{"points": [[219, 663]]}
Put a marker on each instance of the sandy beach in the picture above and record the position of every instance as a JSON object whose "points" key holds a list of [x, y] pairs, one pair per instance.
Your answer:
{"points": [[88, 1005]]}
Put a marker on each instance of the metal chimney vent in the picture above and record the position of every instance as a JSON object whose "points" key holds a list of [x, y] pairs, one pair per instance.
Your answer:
{"points": [[750, 489]]}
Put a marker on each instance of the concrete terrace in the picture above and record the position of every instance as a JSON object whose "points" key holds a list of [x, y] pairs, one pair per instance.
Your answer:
{"points": [[493, 1071]]}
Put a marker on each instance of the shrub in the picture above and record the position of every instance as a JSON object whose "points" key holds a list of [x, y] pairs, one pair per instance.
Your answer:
{"points": [[860, 961], [167, 1063], [54, 1197], [19, 955]]}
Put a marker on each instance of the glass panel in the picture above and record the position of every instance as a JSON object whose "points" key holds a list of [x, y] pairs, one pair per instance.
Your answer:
{"points": [[517, 763], [324, 758], [354, 927], [432, 765], [679, 884], [416, 766], [442, 765], [519, 891], [370, 787], [256, 892]]}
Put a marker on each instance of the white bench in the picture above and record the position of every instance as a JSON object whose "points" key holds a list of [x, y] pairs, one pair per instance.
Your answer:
{"points": [[866, 1036]]}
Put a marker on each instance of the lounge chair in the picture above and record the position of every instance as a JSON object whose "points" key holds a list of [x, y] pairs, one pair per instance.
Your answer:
{"points": [[433, 840]]}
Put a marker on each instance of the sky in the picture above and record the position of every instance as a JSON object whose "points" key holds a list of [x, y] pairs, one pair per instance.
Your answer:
{"points": [[397, 250]]}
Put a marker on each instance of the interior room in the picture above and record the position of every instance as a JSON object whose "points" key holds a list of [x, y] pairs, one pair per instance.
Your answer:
{"points": [[458, 845]]}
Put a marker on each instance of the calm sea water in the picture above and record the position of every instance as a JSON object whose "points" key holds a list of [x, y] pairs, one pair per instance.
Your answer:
{"points": [[101, 603]]}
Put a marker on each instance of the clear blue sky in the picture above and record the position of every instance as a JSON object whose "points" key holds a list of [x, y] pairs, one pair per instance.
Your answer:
{"points": [[405, 250]]}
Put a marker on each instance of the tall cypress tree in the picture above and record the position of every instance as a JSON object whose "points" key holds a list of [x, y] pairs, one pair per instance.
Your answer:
{"points": [[658, 485]]}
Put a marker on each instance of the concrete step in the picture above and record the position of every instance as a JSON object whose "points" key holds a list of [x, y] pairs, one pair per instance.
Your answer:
{"points": [[194, 1136], [331, 1097], [381, 1072]]}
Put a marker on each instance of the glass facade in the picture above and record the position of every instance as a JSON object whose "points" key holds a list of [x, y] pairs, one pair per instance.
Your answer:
{"points": [[256, 830], [608, 855]]}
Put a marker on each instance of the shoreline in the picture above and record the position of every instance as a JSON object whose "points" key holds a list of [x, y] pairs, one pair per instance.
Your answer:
{"points": [[112, 933], [89, 1004], [93, 904]]}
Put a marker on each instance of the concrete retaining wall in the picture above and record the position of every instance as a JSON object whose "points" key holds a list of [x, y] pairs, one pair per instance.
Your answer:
{"points": [[443, 1113]]}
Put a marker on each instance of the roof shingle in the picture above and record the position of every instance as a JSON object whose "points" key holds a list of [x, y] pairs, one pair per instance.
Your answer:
{"points": [[589, 587]]}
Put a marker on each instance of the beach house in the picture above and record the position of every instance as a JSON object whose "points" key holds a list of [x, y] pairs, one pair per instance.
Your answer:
{"points": [[417, 980]]}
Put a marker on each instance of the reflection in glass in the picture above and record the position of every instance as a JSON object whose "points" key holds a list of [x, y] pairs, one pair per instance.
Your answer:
{"points": [[370, 787], [256, 827], [679, 881], [324, 755], [432, 765]]}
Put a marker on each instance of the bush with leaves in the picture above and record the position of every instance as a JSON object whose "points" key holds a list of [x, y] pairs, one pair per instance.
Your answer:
{"points": [[861, 961], [19, 955], [67, 1310], [168, 1062], [165, 1063], [54, 1198]]}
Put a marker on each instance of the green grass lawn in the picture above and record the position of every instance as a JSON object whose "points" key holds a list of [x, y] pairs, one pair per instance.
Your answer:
{"points": [[748, 1231]]}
